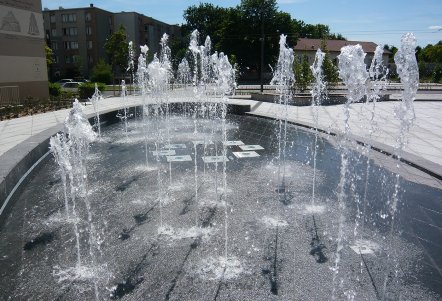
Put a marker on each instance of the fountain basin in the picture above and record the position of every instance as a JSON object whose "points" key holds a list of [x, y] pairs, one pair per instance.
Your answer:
{"points": [[291, 245], [304, 99]]}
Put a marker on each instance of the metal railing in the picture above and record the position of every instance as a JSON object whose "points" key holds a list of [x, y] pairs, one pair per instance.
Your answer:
{"points": [[9, 95]]}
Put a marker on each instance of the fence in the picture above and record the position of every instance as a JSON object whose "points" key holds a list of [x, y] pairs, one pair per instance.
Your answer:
{"points": [[9, 95]]}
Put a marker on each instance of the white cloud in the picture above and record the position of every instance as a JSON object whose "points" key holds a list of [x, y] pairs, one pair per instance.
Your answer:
{"points": [[435, 27]]}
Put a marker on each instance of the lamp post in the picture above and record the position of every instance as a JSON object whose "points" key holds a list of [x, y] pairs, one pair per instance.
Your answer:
{"points": [[261, 75]]}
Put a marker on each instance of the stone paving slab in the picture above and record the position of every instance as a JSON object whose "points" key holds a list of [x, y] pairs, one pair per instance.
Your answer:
{"points": [[424, 138]]}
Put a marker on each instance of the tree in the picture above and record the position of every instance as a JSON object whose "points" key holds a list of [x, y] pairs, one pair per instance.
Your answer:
{"points": [[314, 31], [49, 56], [49, 59], [303, 73], [117, 50], [393, 51], [102, 72], [331, 71], [206, 18], [431, 53], [424, 70], [257, 17], [430, 60], [79, 66], [437, 74], [238, 30]]}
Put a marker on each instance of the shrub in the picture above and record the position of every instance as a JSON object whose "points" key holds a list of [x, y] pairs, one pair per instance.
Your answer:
{"points": [[437, 74], [86, 90], [102, 73], [54, 89], [424, 71]]}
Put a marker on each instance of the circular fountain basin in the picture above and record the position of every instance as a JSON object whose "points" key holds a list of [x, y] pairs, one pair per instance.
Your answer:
{"points": [[159, 227]]}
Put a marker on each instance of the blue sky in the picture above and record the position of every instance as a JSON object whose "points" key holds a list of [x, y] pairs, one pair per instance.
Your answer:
{"points": [[379, 21]]}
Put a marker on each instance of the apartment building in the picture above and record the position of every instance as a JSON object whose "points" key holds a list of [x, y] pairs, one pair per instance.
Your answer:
{"points": [[23, 73], [77, 36], [143, 30]]}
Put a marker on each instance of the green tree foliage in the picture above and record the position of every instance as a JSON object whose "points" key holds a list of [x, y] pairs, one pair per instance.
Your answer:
{"points": [[424, 70], [430, 60], [392, 50], [117, 50], [303, 73], [49, 59], [49, 56], [238, 30], [86, 90], [330, 70], [102, 72], [437, 74], [79, 66], [206, 18], [431, 53], [257, 16]]}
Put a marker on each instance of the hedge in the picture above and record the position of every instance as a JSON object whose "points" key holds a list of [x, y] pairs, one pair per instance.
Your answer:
{"points": [[86, 90]]}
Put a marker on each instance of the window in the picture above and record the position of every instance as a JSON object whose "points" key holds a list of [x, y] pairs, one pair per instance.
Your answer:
{"points": [[52, 18], [53, 32], [71, 45], [88, 30], [70, 31], [76, 58], [68, 59], [69, 18], [56, 59], [89, 44], [88, 17], [54, 46], [90, 59]]}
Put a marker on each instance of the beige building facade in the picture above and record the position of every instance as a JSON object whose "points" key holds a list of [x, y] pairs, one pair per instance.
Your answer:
{"points": [[308, 47], [23, 71], [144, 30]]}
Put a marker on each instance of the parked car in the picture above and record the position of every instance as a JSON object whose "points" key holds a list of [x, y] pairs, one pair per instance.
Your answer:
{"points": [[82, 80], [65, 80], [70, 86]]}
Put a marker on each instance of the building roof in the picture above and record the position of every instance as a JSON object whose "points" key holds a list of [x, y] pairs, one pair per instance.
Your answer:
{"points": [[333, 45], [64, 10]]}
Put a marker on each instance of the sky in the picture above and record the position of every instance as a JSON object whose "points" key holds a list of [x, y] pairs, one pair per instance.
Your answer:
{"points": [[379, 21]]}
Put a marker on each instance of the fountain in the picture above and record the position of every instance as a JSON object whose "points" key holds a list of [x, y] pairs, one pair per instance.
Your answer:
{"points": [[283, 79], [96, 98], [319, 92], [181, 204]]}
